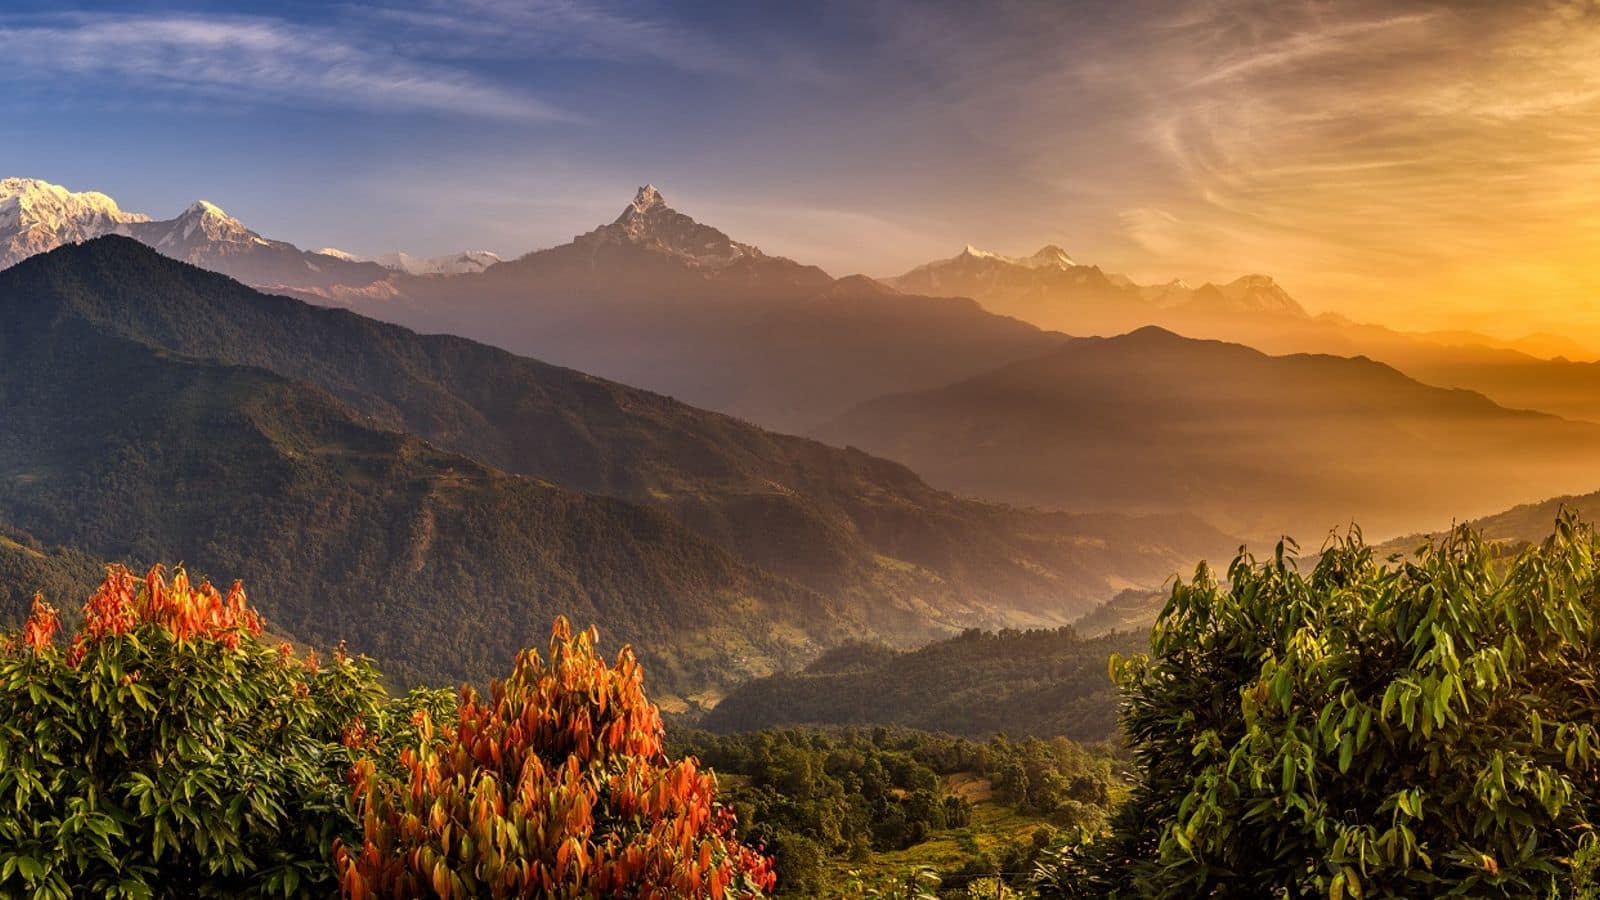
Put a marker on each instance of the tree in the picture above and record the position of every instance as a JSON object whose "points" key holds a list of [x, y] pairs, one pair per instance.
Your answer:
{"points": [[165, 750], [554, 785], [1409, 728]]}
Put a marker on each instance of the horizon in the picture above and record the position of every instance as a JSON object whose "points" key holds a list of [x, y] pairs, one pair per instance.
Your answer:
{"points": [[1341, 149]]}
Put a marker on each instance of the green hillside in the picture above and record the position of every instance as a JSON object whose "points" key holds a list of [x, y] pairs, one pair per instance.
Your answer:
{"points": [[1039, 682]]}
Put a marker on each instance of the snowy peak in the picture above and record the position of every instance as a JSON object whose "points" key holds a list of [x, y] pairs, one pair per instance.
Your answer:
{"points": [[201, 231], [203, 208], [37, 216], [449, 264], [647, 199], [1259, 293], [649, 222], [1048, 257], [202, 222]]}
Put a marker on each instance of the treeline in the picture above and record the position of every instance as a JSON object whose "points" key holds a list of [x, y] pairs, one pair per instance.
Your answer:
{"points": [[1043, 682], [816, 797]]}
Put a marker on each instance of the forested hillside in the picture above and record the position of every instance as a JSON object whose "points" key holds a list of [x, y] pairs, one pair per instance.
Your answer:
{"points": [[1044, 682], [206, 399], [354, 532]]}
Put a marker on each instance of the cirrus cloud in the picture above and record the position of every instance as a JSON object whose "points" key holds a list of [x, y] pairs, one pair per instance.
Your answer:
{"points": [[250, 60]]}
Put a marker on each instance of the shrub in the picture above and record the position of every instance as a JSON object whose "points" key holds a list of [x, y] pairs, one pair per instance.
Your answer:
{"points": [[554, 785], [1412, 728], [165, 750]]}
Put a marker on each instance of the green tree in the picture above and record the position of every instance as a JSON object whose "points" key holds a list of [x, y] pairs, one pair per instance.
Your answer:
{"points": [[166, 751], [1403, 728]]}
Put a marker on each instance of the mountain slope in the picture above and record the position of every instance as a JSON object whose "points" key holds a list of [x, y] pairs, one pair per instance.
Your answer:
{"points": [[903, 560], [439, 564], [1520, 525], [63, 576], [1264, 445], [1041, 682], [1051, 291], [658, 300]]}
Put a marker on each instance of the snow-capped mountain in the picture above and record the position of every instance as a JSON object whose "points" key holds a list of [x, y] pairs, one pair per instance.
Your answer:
{"points": [[1004, 283], [649, 222], [1253, 294], [198, 233], [1048, 257], [1052, 290], [449, 264], [658, 300], [37, 216], [973, 266]]}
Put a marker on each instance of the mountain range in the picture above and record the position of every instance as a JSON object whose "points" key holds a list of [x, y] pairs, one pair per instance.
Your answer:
{"points": [[37, 216], [661, 301], [1262, 445], [391, 488], [1051, 290]]}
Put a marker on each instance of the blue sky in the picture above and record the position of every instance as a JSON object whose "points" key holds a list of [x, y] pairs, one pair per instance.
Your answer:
{"points": [[507, 125], [1348, 147]]}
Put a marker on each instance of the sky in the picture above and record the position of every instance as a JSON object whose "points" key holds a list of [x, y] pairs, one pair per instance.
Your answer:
{"points": [[1424, 165]]}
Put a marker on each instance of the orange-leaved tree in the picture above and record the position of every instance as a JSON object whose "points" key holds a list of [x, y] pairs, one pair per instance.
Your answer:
{"points": [[554, 785]]}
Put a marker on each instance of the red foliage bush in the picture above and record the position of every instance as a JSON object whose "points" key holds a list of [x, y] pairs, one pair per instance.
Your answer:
{"points": [[555, 785]]}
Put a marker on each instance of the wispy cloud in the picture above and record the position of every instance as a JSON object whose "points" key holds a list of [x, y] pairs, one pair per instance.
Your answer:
{"points": [[1427, 161], [248, 59], [573, 29]]}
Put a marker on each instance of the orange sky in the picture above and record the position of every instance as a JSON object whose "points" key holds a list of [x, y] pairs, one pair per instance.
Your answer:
{"points": [[1423, 165]]}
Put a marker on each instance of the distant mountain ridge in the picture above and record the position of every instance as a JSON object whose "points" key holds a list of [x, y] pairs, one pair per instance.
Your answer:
{"points": [[1052, 290], [37, 216], [658, 300], [1263, 445], [401, 456]]}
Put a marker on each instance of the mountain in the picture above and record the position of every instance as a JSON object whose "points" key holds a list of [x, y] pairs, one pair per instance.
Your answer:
{"points": [[449, 264], [62, 575], [1516, 527], [1051, 290], [311, 444], [1549, 373], [1263, 445], [36, 216], [659, 300], [1044, 683], [438, 564]]}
